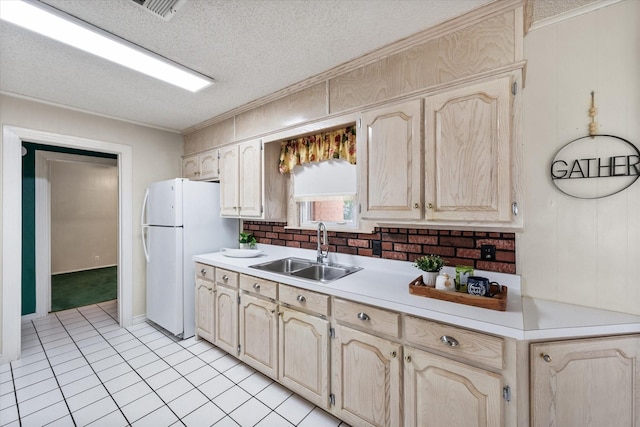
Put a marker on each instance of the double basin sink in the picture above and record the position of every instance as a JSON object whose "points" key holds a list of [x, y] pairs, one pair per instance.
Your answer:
{"points": [[307, 269]]}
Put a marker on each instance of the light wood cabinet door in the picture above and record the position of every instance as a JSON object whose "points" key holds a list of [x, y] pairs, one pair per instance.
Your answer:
{"points": [[586, 382], [304, 355], [204, 309], [208, 165], [259, 334], [229, 181], [439, 392], [389, 153], [468, 153], [226, 319], [251, 179], [367, 379], [190, 167]]}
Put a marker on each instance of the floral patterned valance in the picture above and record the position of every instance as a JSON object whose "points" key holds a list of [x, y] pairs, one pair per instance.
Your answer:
{"points": [[335, 144]]}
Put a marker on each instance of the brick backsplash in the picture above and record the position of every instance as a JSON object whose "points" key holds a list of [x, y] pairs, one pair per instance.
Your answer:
{"points": [[406, 244]]}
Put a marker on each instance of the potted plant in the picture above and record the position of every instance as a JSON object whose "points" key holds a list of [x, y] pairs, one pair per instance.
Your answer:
{"points": [[247, 241], [431, 265]]}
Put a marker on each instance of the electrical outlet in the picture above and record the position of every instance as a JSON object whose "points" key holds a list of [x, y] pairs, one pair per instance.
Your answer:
{"points": [[376, 247], [488, 252]]}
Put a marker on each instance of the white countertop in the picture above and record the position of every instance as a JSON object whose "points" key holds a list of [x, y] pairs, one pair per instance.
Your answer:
{"points": [[385, 283]]}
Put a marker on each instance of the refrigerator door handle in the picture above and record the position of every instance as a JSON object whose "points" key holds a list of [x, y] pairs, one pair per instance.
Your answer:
{"points": [[144, 226]]}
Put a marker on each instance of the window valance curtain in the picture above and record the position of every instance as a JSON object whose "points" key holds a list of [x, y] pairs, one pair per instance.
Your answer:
{"points": [[335, 144]]}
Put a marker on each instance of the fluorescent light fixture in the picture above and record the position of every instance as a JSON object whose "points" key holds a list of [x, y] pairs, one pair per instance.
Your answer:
{"points": [[51, 23]]}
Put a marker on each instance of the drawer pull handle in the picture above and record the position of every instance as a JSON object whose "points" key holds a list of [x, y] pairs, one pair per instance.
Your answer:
{"points": [[225, 277], [273, 311], [450, 341], [363, 316], [546, 357], [393, 354], [256, 286], [301, 298], [407, 359], [203, 272]]}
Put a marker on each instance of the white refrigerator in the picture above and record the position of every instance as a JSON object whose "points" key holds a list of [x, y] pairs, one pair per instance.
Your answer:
{"points": [[180, 218]]}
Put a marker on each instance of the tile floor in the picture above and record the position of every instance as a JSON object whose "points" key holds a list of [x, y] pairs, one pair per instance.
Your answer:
{"points": [[79, 368]]}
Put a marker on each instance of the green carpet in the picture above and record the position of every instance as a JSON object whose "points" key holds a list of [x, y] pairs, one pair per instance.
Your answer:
{"points": [[82, 288]]}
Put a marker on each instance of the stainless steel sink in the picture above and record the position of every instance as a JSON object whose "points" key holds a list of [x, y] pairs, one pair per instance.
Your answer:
{"points": [[285, 265], [307, 269]]}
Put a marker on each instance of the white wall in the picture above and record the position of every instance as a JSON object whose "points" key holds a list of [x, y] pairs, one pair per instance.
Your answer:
{"points": [[84, 215], [156, 155], [585, 252]]}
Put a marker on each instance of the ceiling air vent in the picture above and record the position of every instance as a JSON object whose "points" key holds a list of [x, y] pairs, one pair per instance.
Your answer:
{"points": [[165, 9]]}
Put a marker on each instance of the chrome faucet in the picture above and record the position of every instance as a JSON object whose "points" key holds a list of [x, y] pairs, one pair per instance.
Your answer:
{"points": [[323, 256]]}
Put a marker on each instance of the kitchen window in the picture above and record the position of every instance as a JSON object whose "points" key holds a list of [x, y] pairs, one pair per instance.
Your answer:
{"points": [[326, 191]]}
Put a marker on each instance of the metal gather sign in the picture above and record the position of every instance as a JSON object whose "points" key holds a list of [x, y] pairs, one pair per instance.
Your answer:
{"points": [[595, 166]]}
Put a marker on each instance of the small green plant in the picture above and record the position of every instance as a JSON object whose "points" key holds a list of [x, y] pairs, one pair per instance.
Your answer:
{"points": [[430, 263], [247, 238]]}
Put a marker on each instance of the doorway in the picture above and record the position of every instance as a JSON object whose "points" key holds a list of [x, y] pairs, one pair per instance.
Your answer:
{"points": [[12, 138], [76, 228]]}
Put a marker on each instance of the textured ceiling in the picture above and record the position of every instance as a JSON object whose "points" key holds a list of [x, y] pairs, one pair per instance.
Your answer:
{"points": [[250, 47]]}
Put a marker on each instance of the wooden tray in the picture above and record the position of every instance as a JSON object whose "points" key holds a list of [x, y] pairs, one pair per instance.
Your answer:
{"points": [[497, 302]]}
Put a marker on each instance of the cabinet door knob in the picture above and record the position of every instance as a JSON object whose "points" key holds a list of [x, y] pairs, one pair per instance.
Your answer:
{"points": [[393, 354], [301, 298], [407, 358], [450, 341], [225, 277], [256, 286], [416, 205], [546, 357], [430, 206], [363, 316], [273, 311], [203, 272]]}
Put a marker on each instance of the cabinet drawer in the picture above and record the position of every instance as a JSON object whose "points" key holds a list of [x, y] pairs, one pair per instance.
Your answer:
{"points": [[258, 286], [227, 277], [204, 271], [473, 346], [302, 298], [374, 319]]}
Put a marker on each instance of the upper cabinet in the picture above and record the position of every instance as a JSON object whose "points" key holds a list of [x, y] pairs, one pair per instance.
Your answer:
{"points": [[201, 167], [250, 184], [468, 153], [389, 153]]}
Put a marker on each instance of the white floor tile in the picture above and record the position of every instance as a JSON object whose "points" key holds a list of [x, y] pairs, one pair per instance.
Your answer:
{"points": [[137, 351], [202, 375], [75, 375], [255, 383], [319, 418], [231, 399], [158, 418], [211, 355], [224, 363], [7, 399], [174, 389], [114, 371], [103, 353], [65, 421], [200, 347], [163, 378], [227, 422], [239, 372], [274, 395], [36, 389], [29, 379], [45, 416], [187, 403], [189, 365], [113, 419], [80, 385], [27, 360], [178, 357], [274, 420], [294, 409], [56, 351], [152, 368], [65, 357], [122, 381], [216, 386], [205, 415], [28, 369], [70, 365], [87, 397], [107, 362], [95, 411], [131, 393], [168, 349], [143, 359], [250, 412], [8, 415], [142, 407]]}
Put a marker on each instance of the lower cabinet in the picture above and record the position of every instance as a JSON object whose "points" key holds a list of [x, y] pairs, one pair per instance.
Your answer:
{"points": [[205, 301], [586, 382], [304, 355], [439, 392], [226, 319], [367, 378], [259, 334]]}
